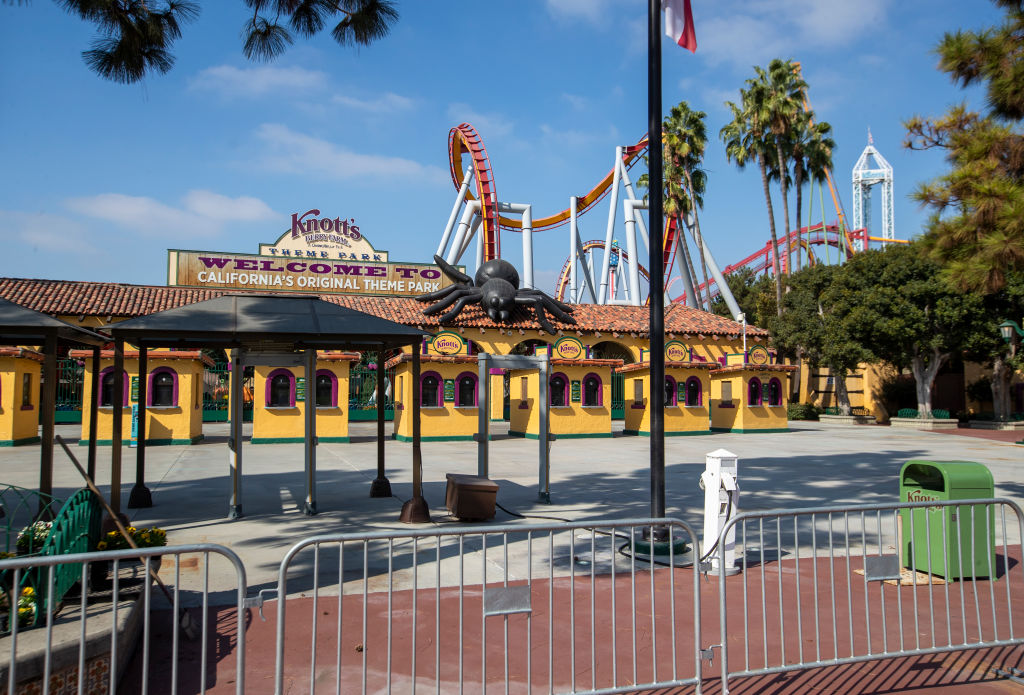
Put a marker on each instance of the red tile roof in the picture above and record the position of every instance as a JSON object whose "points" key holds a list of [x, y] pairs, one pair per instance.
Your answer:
{"points": [[732, 368], [151, 354], [111, 299], [22, 352], [637, 366]]}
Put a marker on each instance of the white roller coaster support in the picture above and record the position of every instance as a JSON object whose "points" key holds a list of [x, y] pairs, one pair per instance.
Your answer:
{"points": [[603, 294], [455, 250], [574, 237], [526, 211], [479, 251], [684, 272], [723, 286], [630, 208], [459, 200], [641, 225], [588, 272]]}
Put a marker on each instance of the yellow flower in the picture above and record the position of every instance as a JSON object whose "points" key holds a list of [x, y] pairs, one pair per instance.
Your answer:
{"points": [[102, 545], [27, 591]]}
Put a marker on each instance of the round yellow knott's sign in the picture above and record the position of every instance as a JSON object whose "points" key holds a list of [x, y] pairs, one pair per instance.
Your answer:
{"points": [[569, 349], [448, 344], [677, 352]]}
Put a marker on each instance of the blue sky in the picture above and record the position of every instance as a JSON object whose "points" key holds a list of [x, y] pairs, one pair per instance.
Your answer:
{"points": [[101, 179]]}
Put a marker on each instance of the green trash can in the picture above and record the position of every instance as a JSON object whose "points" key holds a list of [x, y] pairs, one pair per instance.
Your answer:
{"points": [[961, 540]]}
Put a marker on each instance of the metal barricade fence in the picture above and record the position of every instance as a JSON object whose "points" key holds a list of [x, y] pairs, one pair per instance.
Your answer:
{"points": [[869, 582], [567, 607], [87, 642]]}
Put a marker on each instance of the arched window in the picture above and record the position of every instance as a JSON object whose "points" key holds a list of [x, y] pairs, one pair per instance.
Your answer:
{"points": [[281, 389], [774, 395], [326, 389], [694, 392], [559, 386], [430, 390], [754, 392], [163, 387], [107, 377], [670, 391], [465, 390], [592, 391]]}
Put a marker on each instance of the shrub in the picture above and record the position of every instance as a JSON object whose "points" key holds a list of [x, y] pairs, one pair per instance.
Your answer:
{"points": [[802, 411], [33, 536], [144, 538]]}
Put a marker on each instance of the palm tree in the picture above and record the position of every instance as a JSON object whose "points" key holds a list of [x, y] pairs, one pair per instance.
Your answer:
{"points": [[685, 138], [809, 142], [779, 96], [747, 138], [136, 35]]}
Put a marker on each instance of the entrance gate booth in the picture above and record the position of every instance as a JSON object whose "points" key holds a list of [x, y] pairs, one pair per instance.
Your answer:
{"points": [[486, 362]]}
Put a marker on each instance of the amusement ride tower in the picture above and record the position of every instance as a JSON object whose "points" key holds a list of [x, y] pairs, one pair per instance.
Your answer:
{"points": [[865, 176]]}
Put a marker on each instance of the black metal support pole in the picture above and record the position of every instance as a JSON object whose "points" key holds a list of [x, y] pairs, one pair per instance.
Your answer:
{"points": [[94, 410], [416, 511], [381, 486], [140, 496], [656, 260], [47, 406], [116, 426]]}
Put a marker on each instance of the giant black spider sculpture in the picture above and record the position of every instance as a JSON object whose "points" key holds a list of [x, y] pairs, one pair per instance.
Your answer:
{"points": [[497, 291]]}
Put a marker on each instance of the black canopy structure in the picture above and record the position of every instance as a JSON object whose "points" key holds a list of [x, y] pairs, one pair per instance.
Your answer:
{"points": [[271, 330], [21, 326]]}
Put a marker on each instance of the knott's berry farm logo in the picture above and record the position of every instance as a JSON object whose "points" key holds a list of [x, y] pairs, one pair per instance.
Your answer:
{"points": [[922, 496], [677, 352], [569, 349], [336, 231], [448, 344]]}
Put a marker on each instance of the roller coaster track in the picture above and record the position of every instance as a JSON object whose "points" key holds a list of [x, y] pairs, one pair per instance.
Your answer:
{"points": [[589, 247], [464, 140]]}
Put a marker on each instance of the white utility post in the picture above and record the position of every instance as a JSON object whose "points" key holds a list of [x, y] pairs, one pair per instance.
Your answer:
{"points": [[721, 502]]}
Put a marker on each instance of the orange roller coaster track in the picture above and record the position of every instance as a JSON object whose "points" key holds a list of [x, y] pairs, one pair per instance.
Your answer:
{"points": [[464, 140]]}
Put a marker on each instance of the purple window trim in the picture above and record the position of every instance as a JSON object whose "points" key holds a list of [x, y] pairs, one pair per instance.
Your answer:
{"points": [[774, 385], [674, 397], [291, 387], [124, 400], [458, 390], [149, 385], [334, 387], [440, 390], [600, 391], [565, 390], [700, 392], [751, 401]]}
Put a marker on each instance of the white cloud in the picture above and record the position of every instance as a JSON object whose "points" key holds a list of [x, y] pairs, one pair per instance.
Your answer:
{"points": [[589, 10], [578, 138], [386, 103], [257, 81], [47, 232], [487, 125], [202, 212], [751, 33], [285, 150], [577, 102]]}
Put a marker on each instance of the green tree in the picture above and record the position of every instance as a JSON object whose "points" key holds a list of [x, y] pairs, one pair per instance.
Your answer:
{"points": [[135, 36], [814, 327], [755, 295], [976, 230], [904, 314]]}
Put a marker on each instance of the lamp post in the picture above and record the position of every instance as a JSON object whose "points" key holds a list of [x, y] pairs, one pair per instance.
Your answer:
{"points": [[1007, 329]]}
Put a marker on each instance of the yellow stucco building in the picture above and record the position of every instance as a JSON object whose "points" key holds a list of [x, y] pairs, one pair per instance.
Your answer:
{"points": [[20, 369], [686, 393], [279, 400], [579, 394], [174, 395]]}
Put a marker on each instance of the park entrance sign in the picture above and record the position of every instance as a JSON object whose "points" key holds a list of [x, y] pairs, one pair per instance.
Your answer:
{"points": [[317, 254]]}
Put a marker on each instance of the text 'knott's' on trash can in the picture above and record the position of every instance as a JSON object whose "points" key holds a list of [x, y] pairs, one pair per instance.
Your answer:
{"points": [[953, 542], [470, 497]]}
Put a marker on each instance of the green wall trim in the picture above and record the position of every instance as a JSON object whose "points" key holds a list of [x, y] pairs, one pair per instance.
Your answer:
{"points": [[20, 442], [691, 433], [335, 440], [774, 430], [513, 433], [277, 440], [497, 419], [450, 438]]}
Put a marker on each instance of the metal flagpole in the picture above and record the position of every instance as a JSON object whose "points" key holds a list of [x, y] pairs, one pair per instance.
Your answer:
{"points": [[656, 260]]}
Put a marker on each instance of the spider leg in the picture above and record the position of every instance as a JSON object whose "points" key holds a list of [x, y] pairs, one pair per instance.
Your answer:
{"points": [[452, 297], [434, 296], [453, 272], [560, 311], [460, 304], [538, 308]]}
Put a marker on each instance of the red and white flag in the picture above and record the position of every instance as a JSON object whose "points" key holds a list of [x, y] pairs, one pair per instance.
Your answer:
{"points": [[679, 23]]}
